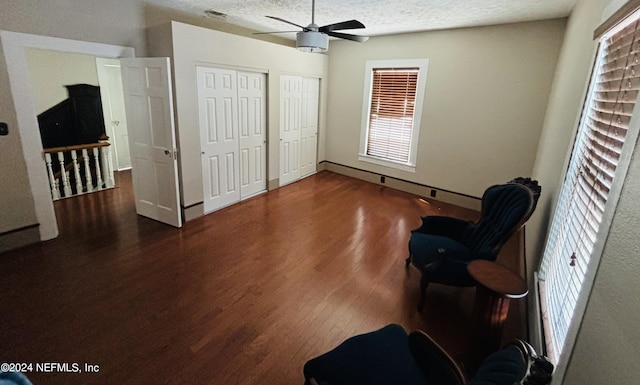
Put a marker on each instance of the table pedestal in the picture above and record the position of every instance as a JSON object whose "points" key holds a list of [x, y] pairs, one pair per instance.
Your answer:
{"points": [[496, 287]]}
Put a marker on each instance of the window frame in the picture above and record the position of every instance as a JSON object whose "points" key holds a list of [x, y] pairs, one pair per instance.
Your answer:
{"points": [[608, 214], [423, 66]]}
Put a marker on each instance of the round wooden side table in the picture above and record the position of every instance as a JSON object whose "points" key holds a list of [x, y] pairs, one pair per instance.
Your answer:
{"points": [[496, 287]]}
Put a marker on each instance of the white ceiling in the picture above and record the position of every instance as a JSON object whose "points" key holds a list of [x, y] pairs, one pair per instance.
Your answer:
{"points": [[381, 17]]}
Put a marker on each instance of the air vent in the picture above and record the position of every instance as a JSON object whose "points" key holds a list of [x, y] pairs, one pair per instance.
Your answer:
{"points": [[215, 14]]}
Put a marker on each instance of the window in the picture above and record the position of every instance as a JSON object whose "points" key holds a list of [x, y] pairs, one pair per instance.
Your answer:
{"points": [[392, 108], [588, 195]]}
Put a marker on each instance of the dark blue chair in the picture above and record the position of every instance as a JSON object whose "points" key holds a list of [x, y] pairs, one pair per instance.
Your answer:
{"points": [[442, 247], [13, 378], [390, 356]]}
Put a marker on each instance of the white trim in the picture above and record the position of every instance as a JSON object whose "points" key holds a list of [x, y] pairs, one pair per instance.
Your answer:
{"points": [[535, 327], [14, 48], [387, 163], [423, 65]]}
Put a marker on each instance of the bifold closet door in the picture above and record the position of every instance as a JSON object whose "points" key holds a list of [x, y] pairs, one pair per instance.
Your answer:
{"points": [[218, 120], [299, 98], [232, 120], [290, 122], [309, 126], [252, 110]]}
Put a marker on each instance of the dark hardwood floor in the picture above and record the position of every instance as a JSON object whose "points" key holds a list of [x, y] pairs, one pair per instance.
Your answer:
{"points": [[244, 295]]}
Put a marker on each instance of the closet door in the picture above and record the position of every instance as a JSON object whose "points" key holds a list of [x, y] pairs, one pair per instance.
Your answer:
{"points": [[309, 126], [290, 121], [218, 121], [252, 108]]}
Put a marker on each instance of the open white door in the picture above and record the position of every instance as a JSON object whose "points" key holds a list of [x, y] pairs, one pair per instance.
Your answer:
{"points": [[149, 111]]}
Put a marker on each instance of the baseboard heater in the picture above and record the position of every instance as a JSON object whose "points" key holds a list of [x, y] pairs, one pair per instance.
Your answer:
{"points": [[421, 190], [384, 177]]}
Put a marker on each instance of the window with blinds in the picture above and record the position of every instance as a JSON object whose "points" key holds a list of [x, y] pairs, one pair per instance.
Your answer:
{"points": [[393, 99], [394, 90], [586, 189]]}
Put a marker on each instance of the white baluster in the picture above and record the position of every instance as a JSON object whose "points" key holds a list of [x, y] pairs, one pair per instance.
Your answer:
{"points": [[53, 182], [107, 167], [87, 170], [76, 172], [65, 175], [96, 157]]}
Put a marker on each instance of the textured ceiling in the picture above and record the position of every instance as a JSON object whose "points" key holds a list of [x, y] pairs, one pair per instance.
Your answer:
{"points": [[381, 17]]}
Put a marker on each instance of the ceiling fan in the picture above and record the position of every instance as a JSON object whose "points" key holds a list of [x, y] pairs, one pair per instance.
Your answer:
{"points": [[313, 38]]}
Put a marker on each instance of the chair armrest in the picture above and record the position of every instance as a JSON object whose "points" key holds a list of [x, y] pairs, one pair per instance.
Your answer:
{"points": [[539, 368], [435, 363], [443, 226]]}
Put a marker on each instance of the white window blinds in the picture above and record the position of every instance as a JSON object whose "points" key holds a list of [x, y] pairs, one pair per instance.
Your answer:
{"points": [[391, 114], [592, 169]]}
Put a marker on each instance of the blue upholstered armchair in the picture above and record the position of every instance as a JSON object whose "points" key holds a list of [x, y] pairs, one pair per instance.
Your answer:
{"points": [[391, 356], [443, 246]]}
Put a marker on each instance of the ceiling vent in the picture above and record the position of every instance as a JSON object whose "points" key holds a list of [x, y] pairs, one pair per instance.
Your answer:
{"points": [[215, 14]]}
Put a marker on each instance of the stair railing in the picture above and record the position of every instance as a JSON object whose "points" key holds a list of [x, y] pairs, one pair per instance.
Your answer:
{"points": [[79, 169]]}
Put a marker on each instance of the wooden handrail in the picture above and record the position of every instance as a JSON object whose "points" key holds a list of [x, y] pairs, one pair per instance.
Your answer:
{"points": [[75, 147]]}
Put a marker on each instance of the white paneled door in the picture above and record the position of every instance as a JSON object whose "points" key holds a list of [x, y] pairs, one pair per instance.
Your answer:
{"points": [[232, 120], [252, 109], [149, 112], [309, 126], [290, 122], [299, 98], [110, 79]]}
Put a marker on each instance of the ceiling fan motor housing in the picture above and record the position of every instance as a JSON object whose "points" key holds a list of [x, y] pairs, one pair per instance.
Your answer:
{"points": [[312, 41]]}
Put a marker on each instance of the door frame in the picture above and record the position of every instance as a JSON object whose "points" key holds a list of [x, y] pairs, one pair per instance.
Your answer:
{"points": [[14, 45], [108, 99]]}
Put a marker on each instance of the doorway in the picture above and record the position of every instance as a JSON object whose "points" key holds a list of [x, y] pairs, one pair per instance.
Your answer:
{"points": [[14, 46], [52, 72]]}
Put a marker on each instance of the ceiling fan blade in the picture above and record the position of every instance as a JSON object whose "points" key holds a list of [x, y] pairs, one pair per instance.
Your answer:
{"points": [[268, 33], [286, 21], [348, 36], [351, 24]]}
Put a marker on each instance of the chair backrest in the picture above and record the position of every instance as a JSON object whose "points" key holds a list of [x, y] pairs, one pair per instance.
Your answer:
{"points": [[505, 208]]}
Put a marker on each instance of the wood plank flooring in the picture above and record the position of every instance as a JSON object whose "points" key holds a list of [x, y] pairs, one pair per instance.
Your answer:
{"points": [[244, 295]]}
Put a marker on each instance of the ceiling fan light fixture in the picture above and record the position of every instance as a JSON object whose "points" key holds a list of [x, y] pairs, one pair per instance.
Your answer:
{"points": [[311, 41]]}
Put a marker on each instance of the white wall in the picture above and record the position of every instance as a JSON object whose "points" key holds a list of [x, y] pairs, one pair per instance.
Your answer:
{"points": [[219, 49], [484, 106], [50, 71]]}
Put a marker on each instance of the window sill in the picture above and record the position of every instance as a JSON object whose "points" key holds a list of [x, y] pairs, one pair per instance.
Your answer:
{"points": [[387, 163]]}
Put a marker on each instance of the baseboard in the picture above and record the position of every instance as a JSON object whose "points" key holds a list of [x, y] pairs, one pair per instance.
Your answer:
{"points": [[192, 212], [273, 184], [422, 190], [17, 238], [535, 321]]}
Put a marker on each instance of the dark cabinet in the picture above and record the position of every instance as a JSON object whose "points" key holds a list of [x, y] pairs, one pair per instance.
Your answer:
{"points": [[76, 120]]}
